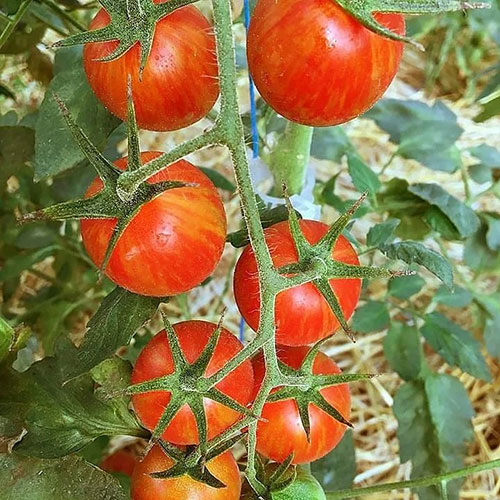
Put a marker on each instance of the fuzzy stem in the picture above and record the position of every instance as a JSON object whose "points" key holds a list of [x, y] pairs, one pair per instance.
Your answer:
{"points": [[290, 157], [415, 483]]}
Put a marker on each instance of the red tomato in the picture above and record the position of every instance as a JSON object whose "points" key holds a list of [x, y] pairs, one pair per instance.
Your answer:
{"points": [[302, 314], [280, 432], [144, 487], [172, 244], [179, 84], [122, 461], [317, 65], [155, 360]]}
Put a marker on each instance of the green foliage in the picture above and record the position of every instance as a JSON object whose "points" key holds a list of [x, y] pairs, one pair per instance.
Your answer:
{"points": [[402, 350], [372, 316]]}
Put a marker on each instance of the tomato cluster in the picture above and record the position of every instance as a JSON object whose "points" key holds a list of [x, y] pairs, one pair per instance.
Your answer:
{"points": [[174, 240]]}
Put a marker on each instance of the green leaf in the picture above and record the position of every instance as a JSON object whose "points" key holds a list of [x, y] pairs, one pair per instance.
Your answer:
{"points": [[218, 179], [120, 315], [51, 322], [16, 148], [380, 234], [406, 286], [363, 177], [372, 316], [35, 235], [424, 133], [69, 478], [459, 297], [434, 427], [402, 350], [489, 159], [336, 471], [463, 217], [493, 232], [330, 143], [455, 345], [439, 222], [477, 254], [59, 418], [55, 149], [7, 336], [413, 252], [492, 336], [15, 265]]}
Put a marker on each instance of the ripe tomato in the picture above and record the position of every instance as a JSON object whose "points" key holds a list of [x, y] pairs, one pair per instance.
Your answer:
{"points": [[302, 314], [172, 244], [317, 65], [155, 360], [122, 461], [280, 432], [179, 84], [145, 487]]}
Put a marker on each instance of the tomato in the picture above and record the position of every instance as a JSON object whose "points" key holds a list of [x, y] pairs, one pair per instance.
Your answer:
{"points": [[172, 244], [155, 360], [145, 487], [122, 461], [304, 486], [179, 84], [302, 314], [317, 65], [280, 432]]}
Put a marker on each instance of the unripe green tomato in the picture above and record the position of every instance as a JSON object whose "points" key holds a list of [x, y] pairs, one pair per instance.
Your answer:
{"points": [[304, 487]]}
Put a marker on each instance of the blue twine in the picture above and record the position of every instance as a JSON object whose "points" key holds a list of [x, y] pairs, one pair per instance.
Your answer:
{"points": [[253, 123]]}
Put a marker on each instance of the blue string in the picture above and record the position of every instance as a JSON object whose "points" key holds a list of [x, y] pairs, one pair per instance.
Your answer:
{"points": [[253, 122]]}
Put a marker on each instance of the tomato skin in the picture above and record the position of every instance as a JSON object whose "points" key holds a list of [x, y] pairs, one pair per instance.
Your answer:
{"points": [[122, 461], [144, 487], [317, 65], [280, 432], [172, 244], [179, 84], [302, 314], [155, 360]]}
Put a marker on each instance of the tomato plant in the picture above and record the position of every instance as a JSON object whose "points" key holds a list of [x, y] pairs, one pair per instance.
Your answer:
{"points": [[281, 433], [178, 85], [189, 221], [302, 314], [317, 65], [122, 461], [145, 487], [155, 360]]}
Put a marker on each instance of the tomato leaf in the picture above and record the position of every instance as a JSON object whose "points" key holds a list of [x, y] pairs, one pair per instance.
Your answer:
{"points": [[336, 471], [491, 305], [59, 418], [455, 345], [402, 350], [218, 179], [477, 253], [424, 133], [16, 148], [120, 315], [69, 478], [372, 316], [15, 265], [463, 217], [363, 177], [406, 286], [434, 417], [7, 337], [489, 159], [459, 297], [330, 143], [55, 149], [413, 252], [381, 233]]}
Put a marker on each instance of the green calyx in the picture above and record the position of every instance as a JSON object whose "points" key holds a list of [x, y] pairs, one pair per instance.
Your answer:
{"points": [[363, 11], [305, 387], [188, 385], [132, 21], [106, 204], [315, 263]]}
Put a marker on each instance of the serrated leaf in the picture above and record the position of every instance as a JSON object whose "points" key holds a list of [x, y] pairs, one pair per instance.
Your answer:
{"points": [[69, 478], [381, 233], [455, 345], [463, 217], [402, 350], [336, 471], [55, 149], [330, 143], [406, 286], [434, 427], [120, 315], [363, 177], [413, 252], [372, 316], [459, 297], [424, 133]]}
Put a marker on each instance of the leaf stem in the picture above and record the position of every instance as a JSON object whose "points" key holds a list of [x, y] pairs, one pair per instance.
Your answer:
{"points": [[13, 22]]}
